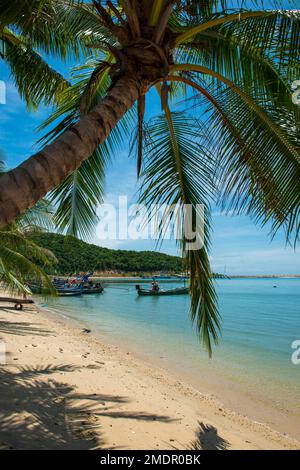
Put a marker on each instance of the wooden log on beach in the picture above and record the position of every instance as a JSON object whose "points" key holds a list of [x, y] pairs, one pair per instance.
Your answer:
{"points": [[18, 302]]}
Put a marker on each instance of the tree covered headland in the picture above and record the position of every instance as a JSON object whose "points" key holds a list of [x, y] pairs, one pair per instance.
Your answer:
{"points": [[75, 255]]}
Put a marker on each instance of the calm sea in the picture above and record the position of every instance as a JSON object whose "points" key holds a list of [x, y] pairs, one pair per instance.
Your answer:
{"points": [[251, 370]]}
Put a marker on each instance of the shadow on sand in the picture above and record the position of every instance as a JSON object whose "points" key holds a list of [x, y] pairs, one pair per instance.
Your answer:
{"points": [[39, 412], [207, 438], [21, 328]]}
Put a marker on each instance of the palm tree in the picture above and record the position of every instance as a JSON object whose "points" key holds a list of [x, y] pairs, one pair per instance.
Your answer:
{"points": [[233, 64], [20, 258]]}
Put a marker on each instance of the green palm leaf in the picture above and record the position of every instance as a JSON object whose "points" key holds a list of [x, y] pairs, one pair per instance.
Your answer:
{"points": [[179, 171], [36, 81], [251, 180], [18, 262], [21, 259], [77, 198], [38, 218], [58, 27]]}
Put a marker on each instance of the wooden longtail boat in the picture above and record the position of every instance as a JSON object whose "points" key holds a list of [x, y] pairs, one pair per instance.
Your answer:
{"points": [[92, 290], [61, 291], [86, 288], [68, 291], [175, 291]]}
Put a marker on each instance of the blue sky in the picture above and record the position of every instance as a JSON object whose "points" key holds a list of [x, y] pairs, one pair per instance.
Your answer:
{"points": [[238, 245]]}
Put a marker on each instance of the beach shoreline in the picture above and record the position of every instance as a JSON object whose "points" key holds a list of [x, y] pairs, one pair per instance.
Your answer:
{"points": [[72, 390], [223, 389]]}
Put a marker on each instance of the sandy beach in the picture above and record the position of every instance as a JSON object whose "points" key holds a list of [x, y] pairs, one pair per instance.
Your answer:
{"points": [[61, 388]]}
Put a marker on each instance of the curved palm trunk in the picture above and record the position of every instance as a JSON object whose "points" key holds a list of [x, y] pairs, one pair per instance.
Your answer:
{"points": [[23, 186]]}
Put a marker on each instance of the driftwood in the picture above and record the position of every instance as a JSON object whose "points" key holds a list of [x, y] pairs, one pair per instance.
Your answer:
{"points": [[18, 302]]}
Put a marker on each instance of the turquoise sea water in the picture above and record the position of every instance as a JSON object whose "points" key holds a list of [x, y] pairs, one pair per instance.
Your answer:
{"points": [[252, 364]]}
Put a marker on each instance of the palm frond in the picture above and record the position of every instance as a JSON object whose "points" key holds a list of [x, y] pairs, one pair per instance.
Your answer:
{"points": [[22, 260], [37, 218], [18, 262], [58, 27], [78, 196], [249, 67], [276, 37], [274, 34], [264, 184], [189, 13], [35, 80], [156, 11], [178, 171]]}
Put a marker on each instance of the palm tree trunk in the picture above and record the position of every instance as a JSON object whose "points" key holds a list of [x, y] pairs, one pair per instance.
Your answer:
{"points": [[23, 186]]}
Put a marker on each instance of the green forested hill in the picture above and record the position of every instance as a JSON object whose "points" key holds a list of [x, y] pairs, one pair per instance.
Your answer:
{"points": [[76, 255]]}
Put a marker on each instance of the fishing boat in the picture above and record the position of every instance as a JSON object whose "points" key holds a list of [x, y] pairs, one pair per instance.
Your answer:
{"points": [[37, 288], [92, 289], [82, 283], [175, 291], [58, 282], [69, 291]]}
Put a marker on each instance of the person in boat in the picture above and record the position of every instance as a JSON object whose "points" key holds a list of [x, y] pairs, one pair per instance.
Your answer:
{"points": [[155, 286], [85, 278]]}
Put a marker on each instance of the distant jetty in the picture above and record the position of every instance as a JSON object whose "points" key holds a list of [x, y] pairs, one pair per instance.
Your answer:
{"points": [[265, 276]]}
